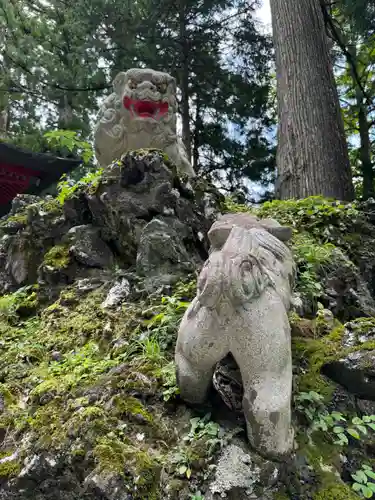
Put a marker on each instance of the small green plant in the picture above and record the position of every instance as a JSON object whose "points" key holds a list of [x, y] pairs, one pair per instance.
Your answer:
{"points": [[165, 319], [168, 373], [362, 481], [68, 187], [358, 426], [204, 428], [197, 496], [312, 406], [311, 258], [203, 431], [182, 459], [21, 301]]}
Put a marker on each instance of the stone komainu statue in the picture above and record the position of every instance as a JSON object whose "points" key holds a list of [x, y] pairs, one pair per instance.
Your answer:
{"points": [[140, 113], [244, 293]]}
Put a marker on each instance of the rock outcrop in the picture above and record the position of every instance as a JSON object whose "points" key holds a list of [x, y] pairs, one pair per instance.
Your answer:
{"points": [[355, 368], [91, 302], [139, 215]]}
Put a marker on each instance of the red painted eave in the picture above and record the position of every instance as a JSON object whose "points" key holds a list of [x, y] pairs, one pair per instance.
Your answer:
{"points": [[15, 179]]}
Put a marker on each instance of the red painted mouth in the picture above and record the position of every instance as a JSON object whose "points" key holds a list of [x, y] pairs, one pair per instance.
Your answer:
{"points": [[146, 109]]}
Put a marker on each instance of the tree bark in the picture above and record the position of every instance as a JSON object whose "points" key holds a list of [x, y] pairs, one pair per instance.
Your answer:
{"points": [[65, 112], [312, 154], [184, 79], [364, 131], [365, 148], [4, 121], [197, 132]]}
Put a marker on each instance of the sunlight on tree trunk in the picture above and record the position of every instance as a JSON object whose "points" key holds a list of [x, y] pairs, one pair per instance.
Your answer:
{"points": [[312, 155]]}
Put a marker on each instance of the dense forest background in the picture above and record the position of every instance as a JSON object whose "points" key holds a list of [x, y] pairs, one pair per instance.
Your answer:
{"points": [[59, 57]]}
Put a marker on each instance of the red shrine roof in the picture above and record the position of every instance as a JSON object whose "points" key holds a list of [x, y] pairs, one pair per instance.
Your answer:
{"points": [[23, 171]]}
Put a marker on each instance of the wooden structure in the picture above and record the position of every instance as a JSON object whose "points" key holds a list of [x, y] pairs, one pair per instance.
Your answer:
{"points": [[26, 172]]}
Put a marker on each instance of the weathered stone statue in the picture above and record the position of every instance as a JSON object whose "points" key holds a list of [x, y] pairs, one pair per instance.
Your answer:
{"points": [[140, 113], [244, 293]]}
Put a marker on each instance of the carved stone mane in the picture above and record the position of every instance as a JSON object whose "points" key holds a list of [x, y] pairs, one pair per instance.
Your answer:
{"points": [[139, 114], [249, 262]]}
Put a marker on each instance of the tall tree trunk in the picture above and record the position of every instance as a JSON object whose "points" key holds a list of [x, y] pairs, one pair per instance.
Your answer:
{"points": [[65, 111], [365, 148], [197, 132], [184, 79], [312, 154], [3, 124], [364, 130], [4, 106]]}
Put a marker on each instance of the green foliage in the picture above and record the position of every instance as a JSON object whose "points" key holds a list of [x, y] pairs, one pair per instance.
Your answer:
{"points": [[316, 215], [70, 140], [197, 496], [11, 467], [21, 303], [311, 258], [335, 491], [311, 405], [203, 438], [67, 187], [168, 374], [362, 481]]}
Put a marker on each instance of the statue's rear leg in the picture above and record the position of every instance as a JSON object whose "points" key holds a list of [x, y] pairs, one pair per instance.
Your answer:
{"points": [[266, 367], [267, 411]]}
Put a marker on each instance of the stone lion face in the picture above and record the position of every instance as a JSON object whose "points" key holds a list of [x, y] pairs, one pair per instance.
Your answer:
{"points": [[140, 113], [146, 95]]}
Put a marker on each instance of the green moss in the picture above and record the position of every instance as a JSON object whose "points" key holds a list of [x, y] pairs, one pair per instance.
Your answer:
{"points": [[335, 491], [324, 457], [114, 456], [229, 206], [280, 496], [57, 257], [68, 297], [363, 325], [80, 383], [22, 303], [52, 207], [318, 450], [315, 353], [18, 218], [10, 468], [132, 407]]}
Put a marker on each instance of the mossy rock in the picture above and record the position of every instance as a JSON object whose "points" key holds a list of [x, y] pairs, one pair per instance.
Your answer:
{"points": [[335, 491], [314, 353], [9, 468], [88, 398], [58, 257]]}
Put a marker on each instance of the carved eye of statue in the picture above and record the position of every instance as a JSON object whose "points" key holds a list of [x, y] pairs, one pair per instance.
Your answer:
{"points": [[162, 87], [132, 84]]}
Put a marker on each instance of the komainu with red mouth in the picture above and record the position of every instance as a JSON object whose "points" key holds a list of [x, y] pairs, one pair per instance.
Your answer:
{"points": [[140, 114]]}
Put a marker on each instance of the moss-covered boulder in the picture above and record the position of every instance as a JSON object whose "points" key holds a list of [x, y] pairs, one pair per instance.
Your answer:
{"points": [[89, 405], [354, 368], [119, 219]]}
